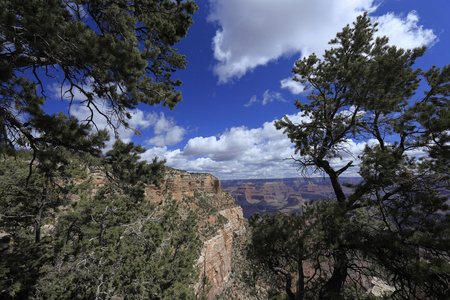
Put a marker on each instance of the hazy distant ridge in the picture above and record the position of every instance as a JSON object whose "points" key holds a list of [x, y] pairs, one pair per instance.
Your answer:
{"points": [[286, 195]]}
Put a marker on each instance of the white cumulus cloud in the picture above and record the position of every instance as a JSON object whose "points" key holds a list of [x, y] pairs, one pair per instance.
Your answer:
{"points": [[255, 32], [242, 152], [139, 121], [293, 86], [166, 133], [404, 32]]}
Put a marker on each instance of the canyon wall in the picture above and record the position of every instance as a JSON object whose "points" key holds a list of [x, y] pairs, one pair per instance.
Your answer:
{"points": [[286, 195], [181, 184], [220, 221], [216, 256]]}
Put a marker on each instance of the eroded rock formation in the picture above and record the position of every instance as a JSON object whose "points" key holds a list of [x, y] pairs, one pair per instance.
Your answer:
{"points": [[182, 184], [286, 195], [220, 220], [216, 255]]}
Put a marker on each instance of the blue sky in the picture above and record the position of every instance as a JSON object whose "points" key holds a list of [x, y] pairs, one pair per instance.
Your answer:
{"points": [[237, 81]]}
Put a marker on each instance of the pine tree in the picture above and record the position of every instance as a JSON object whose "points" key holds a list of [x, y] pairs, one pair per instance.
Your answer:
{"points": [[29, 207], [101, 239], [395, 224], [115, 54], [115, 243]]}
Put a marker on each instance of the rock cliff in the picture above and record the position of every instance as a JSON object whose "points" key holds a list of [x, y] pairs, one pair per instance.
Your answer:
{"points": [[220, 220], [216, 255], [182, 184]]}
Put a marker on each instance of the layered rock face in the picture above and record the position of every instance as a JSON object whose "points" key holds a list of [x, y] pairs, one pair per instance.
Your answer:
{"points": [[220, 220], [286, 195], [182, 184], [216, 255]]}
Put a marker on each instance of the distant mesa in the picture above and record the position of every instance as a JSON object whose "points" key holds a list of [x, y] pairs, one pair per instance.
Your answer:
{"points": [[287, 195]]}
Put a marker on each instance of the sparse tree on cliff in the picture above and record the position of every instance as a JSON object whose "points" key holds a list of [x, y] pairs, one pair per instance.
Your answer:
{"points": [[395, 225], [105, 239], [114, 242]]}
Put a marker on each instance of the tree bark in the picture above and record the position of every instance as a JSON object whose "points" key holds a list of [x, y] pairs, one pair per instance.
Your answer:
{"points": [[288, 284], [334, 178], [300, 282], [332, 288]]}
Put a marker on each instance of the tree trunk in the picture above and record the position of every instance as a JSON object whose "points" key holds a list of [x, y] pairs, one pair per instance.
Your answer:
{"points": [[334, 178], [332, 288], [300, 282], [288, 283]]}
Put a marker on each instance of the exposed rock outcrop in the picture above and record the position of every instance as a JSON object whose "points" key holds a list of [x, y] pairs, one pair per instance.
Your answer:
{"points": [[220, 219], [182, 184], [215, 258]]}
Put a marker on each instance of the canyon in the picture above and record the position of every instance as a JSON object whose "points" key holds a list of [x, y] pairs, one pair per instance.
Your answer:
{"points": [[223, 206], [221, 209], [287, 195]]}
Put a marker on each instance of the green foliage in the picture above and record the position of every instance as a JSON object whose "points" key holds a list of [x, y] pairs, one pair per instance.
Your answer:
{"points": [[106, 239], [207, 207], [395, 225], [151, 256], [29, 206], [115, 54], [109, 241], [115, 243], [126, 168], [277, 247]]}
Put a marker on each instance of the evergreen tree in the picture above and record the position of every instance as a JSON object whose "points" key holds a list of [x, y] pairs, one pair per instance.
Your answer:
{"points": [[115, 54], [115, 243], [102, 238], [278, 249], [395, 225], [29, 207], [31, 200]]}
